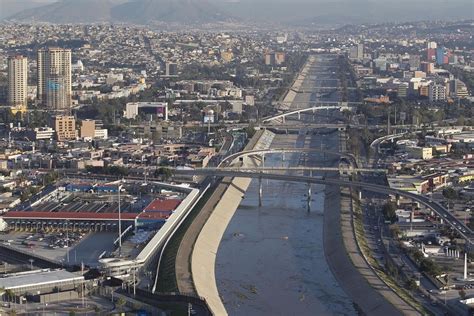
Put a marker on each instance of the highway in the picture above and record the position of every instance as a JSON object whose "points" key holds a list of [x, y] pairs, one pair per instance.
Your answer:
{"points": [[300, 168], [437, 208], [261, 152]]}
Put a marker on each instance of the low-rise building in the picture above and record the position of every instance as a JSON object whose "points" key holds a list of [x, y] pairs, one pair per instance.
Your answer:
{"points": [[425, 153]]}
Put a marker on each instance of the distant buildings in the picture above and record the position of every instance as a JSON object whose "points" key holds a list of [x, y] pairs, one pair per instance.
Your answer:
{"points": [[458, 89], [17, 82], [275, 58], [171, 69], [159, 109], [90, 130], [357, 52], [54, 78], [415, 62], [437, 92], [441, 56]]}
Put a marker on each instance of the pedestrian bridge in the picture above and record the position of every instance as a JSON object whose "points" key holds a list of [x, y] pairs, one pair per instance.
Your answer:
{"points": [[310, 109], [262, 152]]}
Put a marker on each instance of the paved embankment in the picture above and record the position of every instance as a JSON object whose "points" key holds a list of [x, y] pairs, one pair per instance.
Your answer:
{"points": [[206, 246], [292, 92], [348, 265]]}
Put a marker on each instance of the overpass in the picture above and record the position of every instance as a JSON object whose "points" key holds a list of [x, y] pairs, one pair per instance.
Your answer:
{"points": [[260, 169], [300, 125], [375, 145], [435, 207], [316, 102], [341, 106], [262, 152], [319, 89]]}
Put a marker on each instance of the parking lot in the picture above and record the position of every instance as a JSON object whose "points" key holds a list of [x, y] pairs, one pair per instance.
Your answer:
{"points": [[77, 247]]}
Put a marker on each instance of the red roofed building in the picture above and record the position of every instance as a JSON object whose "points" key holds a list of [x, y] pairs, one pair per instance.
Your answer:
{"points": [[159, 205]]}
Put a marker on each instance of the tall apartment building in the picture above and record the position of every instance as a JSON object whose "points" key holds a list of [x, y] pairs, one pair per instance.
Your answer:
{"points": [[171, 69], [415, 62], [437, 92], [17, 81], [54, 78], [458, 89], [357, 52], [65, 127]]}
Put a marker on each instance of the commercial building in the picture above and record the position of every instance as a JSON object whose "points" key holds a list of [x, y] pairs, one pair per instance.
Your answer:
{"points": [[279, 58], [436, 92], [415, 62], [43, 133], [40, 283], [357, 52], [159, 109], [440, 54], [17, 82], [171, 69], [275, 58], [402, 90], [54, 78], [424, 153], [65, 127], [458, 89], [427, 67]]}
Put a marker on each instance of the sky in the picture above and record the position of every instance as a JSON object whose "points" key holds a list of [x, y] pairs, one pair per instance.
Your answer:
{"points": [[320, 11]]}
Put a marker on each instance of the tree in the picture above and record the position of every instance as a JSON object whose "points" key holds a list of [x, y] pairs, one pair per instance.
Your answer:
{"points": [[165, 173], [10, 295], [450, 193], [389, 211], [411, 285], [120, 303], [97, 310], [395, 230]]}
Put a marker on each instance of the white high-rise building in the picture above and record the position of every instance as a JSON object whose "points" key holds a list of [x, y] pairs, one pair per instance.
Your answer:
{"points": [[17, 81], [54, 78]]}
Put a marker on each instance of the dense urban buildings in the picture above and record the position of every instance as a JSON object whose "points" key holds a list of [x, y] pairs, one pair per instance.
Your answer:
{"points": [[235, 168]]}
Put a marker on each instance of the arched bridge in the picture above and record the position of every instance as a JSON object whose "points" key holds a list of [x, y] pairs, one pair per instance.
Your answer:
{"points": [[342, 106], [262, 152]]}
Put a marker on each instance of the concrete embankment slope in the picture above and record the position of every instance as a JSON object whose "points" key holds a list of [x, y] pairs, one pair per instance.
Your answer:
{"points": [[205, 249], [291, 93]]}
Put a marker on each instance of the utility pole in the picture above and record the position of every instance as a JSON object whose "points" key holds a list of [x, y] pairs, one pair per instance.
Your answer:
{"points": [[388, 121], [134, 282]]}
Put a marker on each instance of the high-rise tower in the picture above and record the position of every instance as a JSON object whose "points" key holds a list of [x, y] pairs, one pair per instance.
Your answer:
{"points": [[54, 78], [17, 82]]}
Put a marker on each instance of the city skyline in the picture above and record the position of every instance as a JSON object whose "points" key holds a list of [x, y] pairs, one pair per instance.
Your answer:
{"points": [[237, 157]]}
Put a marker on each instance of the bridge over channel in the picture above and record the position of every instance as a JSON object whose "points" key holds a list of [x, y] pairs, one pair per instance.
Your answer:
{"points": [[435, 207]]}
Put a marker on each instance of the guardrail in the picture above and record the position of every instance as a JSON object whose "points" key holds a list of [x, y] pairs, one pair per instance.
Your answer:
{"points": [[172, 234]]}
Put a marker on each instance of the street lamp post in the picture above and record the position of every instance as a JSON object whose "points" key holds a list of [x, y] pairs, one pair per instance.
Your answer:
{"points": [[119, 219]]}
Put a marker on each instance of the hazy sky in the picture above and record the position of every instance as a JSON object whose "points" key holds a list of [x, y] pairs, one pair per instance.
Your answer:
{"points": [[318, 11]]}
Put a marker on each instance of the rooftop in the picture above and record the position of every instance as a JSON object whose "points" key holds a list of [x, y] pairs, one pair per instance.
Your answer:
{"points": [[38, 278], [69, 215]]}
